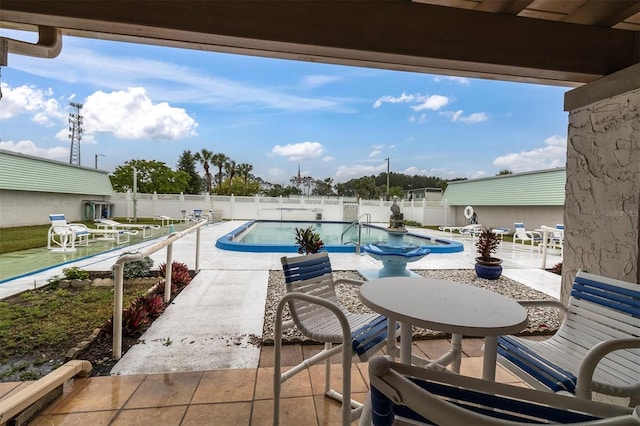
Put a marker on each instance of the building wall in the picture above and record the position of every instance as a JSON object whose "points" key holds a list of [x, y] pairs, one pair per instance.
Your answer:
{"points": [[505, 216], [603, 186], [24, 208]]}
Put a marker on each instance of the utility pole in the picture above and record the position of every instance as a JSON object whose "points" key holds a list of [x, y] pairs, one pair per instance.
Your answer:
{"points": [[387, 178], [75, 133], [96, 159]]}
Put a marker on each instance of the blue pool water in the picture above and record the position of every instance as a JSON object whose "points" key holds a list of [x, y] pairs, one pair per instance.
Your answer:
{"points": [[266, 236]]}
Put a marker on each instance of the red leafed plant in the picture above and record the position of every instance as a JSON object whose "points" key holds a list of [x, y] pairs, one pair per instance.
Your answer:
{"points": [[153, 304], [180, 274]]}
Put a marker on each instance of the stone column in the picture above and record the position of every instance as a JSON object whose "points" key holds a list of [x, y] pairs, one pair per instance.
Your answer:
{"points": [[602, 206]]}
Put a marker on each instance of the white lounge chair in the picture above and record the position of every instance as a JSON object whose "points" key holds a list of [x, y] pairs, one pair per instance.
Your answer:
{"points": [[524, 236], [63, 236], [316, 312], [147, 230], [403, 394]]}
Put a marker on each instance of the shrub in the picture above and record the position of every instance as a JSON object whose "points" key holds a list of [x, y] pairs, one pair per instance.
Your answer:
{"points": [[153, 304], [557, 268], [308, 241], [135, 319], [137, 269], [75, 273], [180, 274]]}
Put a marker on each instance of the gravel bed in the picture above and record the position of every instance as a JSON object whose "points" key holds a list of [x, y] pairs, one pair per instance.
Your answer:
{"points": [[541, 320]]}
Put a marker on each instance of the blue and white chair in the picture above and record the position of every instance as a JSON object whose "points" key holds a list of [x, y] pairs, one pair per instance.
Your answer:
{"points": [[64, 237], [524, 236], [403, 394], [317, 314], [596, 348]]}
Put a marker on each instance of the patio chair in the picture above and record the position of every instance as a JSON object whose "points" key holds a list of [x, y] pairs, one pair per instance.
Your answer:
{"points": [[64, 237], [531, 237], [403, 394], [147, 230], [557, 238], [596, 348], [470, 231], [316, 312]]}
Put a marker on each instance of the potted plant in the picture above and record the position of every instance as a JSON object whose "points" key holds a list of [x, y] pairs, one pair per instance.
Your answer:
{"points": [[487, 266], [308, 240]]}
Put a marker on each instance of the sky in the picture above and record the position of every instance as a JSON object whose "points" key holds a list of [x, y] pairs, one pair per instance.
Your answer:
{"points": [[153, 103]]}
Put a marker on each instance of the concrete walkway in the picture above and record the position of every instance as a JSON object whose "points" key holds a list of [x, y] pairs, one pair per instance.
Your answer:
{"points": [[210, 325]]}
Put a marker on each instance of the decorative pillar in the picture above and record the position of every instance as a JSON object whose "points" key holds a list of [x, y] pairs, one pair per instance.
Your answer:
{"points": [[602, 204]]}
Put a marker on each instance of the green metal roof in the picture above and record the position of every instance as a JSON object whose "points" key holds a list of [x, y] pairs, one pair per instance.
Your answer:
{"points": [[19, 172], [538, 188]]}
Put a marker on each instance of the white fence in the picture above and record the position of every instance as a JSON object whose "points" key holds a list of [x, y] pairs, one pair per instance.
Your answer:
{"points": [[267, 208]]}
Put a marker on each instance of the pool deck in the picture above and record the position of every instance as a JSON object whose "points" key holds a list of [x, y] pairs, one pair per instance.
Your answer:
{"points": [[210, 324]]}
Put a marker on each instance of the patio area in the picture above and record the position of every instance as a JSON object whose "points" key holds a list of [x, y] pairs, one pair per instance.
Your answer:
{"points": [[212, 372]]}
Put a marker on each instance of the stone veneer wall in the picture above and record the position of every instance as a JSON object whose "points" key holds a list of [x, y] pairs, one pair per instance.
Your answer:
{"points": [[602, 206]]}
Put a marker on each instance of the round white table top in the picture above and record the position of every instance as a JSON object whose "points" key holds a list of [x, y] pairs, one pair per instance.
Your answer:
{"points": [[444, 306]]}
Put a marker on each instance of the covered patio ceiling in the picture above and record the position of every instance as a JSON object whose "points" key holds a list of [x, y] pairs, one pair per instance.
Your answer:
{"points": [[563, 42]]}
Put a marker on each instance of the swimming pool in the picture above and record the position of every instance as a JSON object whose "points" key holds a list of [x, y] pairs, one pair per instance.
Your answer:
{"points": [[268, 236]]}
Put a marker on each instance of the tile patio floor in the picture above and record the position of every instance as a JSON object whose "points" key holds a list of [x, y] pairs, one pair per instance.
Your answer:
{"points": [[224, 397]]}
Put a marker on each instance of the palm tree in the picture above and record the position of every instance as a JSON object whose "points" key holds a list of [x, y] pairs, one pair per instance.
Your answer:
{"points": [[205, 157], [244, 169], [219, 161], [231, 169]]}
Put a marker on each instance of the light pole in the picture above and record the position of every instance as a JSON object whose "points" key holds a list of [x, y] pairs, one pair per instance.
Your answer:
{"points": [[96, 159], [387, 178]]}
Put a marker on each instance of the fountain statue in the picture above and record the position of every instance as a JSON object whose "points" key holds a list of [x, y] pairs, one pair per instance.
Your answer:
{"points": [[395, 253]]}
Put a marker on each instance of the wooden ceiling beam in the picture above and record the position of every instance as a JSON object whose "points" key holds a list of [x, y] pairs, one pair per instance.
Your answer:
{"points": [[394, 35]]}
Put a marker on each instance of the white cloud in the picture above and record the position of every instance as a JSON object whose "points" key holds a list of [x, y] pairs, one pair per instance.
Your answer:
{"points": [[275, 172], [375, 153], [433, 102], [345, 173], [329, 159], [30, 148], [476, 117], [299, 151], [458, 80], [553, 154], [393, 100], [313, 81], [131, 114], [30, 100], [175, 83], [413, 170], [478, 174]]}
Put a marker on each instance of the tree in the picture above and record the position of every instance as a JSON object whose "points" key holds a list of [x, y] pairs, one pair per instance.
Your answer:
{"points": [[245, 171], [219, 161], [308, 181], [230, 171], [324, 187], [152, 176], [205, 157], [187, 164], [504, 172]]}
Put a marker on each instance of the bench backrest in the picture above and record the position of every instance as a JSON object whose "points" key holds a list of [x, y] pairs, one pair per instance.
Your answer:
{"points": [[605, 304]]}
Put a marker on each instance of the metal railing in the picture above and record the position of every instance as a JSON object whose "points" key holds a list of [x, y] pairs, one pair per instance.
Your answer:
{"points": [[132, 257], [354, 223]]}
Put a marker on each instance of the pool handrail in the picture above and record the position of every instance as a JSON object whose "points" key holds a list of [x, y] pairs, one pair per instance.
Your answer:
{"points": [[356, 222], [118, 270]]}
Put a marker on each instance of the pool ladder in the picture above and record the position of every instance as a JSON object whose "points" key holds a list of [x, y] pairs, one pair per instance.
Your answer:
{"points": [[359, 224]]}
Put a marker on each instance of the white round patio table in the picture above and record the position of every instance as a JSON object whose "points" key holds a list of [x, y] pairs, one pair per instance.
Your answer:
{"points": [[450, 307]]}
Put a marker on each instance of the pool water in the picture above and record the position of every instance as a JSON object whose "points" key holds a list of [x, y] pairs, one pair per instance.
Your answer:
{"points": [[279, 236]]}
